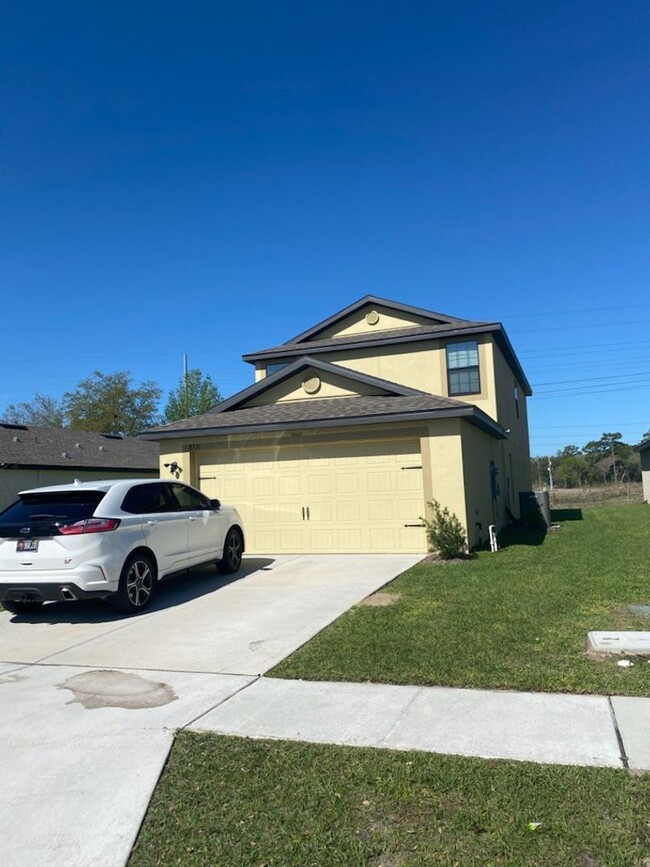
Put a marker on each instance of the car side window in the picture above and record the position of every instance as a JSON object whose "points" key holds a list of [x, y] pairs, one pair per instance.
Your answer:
{"points": [[190, 500], [146, 500]]}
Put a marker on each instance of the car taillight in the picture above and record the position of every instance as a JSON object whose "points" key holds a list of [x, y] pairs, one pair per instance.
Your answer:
{"points": [[89, 525]]}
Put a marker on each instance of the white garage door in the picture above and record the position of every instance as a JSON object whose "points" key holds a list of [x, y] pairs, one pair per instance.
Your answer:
{"points": [[323, 499]]}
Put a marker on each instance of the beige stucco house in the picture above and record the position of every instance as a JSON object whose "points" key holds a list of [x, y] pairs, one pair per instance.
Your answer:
{"points": [[354, 425]]}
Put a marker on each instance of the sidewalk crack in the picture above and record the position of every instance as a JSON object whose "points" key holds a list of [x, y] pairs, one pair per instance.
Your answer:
{"points": [[219, 703], [619, 737], [400, 718]]}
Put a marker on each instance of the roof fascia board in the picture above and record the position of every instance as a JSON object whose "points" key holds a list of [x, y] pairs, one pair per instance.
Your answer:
{"points": [[369, 299], [471, 414]]}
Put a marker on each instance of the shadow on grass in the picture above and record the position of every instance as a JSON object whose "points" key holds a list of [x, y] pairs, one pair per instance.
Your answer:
{"points": [[522, 536], [566, 514]]}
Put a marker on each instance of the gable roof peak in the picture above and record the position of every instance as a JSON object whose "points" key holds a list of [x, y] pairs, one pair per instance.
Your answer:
{"points": [[366, 300]]}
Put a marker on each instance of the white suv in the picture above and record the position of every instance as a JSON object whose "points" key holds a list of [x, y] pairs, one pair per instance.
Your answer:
{"points": [[110, 539]]}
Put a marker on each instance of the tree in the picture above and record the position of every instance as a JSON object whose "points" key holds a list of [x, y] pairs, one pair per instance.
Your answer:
{"points": [[108, 403], [43, 411], [194, 395]]}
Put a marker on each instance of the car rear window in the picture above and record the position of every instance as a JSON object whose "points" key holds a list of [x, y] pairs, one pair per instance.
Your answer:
{"points": [[48, 507]]}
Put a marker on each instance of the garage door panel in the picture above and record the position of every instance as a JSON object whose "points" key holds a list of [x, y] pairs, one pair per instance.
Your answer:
{"points": [[289, 486], [350, 541], [380, 482], [347, 484], [322, 540], [408, 510], [348, 510], [383, 540], [321, 511], [290, 540], [380, 510], [264, 487], [290, 513], [409, 480], [320, 484], [232, 490]]}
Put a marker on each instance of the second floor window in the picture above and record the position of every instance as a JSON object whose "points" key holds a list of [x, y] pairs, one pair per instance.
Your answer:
{"points": [[462, 368]]}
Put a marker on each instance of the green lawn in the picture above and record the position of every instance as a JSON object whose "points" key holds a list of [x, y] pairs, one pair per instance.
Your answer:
{"points": [[242, 803], [517, 619]]}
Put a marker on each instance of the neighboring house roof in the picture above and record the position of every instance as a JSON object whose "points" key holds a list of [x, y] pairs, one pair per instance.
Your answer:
{"points": [[398, 404], [441, 326], [644, 446], [27, 446]]}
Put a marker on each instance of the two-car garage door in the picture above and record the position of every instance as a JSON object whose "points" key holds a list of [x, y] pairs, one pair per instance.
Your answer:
{"points": [[323, 499]]}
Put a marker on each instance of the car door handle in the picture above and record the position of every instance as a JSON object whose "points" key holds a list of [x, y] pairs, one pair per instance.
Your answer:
{"points": [[152, 523], [192, 517]]}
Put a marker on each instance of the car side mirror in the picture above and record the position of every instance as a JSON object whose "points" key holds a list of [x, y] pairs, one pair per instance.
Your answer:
{"points": [[215, 504]]}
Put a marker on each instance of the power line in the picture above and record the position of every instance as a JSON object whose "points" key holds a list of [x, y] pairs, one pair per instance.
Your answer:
{"points": [[595, 378]]}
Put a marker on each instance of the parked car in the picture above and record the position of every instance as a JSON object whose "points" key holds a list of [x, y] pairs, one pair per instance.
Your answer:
{"points": [[110, 539]]}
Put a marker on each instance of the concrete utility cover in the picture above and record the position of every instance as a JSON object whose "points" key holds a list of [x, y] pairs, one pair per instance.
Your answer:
{"points": [[636, 643]]}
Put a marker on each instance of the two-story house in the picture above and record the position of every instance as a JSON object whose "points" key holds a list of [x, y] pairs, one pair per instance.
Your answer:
{"points": [[354, 425]]}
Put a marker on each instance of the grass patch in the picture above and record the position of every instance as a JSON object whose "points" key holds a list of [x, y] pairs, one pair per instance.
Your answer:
{"points": [[231, 801], [517, 619]]}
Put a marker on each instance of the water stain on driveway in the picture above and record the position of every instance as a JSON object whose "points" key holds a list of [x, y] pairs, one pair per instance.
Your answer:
{"points": [[94, 689]]}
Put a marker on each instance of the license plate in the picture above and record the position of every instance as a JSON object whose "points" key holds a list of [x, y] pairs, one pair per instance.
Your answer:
{"points": [[27, 545]]}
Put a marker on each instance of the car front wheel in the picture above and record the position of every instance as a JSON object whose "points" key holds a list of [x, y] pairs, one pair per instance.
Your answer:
{"points": [[137, 584], [233, 549]]}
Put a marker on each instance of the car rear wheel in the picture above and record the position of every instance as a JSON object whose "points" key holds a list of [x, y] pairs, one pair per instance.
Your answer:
{"points": [[233, 548], [23, 607], [137, 584]]}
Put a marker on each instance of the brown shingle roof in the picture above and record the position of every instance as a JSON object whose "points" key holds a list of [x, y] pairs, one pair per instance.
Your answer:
{"points": [[308, 413], [61, 447]]}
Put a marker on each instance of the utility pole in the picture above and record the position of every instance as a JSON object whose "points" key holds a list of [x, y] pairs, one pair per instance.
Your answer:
{"points": [[185, 366], [550, 474], [611, 443]]}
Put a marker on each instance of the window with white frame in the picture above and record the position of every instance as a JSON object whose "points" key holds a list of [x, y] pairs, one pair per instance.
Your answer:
{"points": [[462, 368]]}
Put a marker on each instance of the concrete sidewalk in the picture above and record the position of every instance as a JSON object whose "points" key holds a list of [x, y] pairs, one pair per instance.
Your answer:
{"points": [[537, 727]]}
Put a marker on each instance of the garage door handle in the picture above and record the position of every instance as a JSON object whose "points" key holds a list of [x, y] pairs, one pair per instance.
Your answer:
{"points": [[414, 525], [307, 512]]}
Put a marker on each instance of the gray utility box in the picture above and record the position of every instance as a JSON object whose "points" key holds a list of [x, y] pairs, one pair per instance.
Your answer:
{"points": [[535, 503]]}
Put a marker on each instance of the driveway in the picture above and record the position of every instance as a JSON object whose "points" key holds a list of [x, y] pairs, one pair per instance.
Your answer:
{"points": [[91, 701]]}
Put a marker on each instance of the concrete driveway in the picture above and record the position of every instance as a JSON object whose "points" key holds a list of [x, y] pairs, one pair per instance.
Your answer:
{"points": [[91, 701]]}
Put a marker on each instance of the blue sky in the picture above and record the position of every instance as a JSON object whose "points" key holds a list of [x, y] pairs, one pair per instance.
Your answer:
{"points": [[211, 179]]}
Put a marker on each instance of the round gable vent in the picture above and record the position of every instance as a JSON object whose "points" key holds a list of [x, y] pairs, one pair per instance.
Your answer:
{"points": [[311, 385], [372, 317]]}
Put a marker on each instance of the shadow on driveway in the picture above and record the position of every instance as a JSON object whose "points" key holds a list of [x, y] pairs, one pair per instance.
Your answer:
{"points": [[175, 590]]}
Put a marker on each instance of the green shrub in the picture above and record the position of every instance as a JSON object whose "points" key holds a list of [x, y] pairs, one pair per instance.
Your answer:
{"points": [[445, 532]]}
